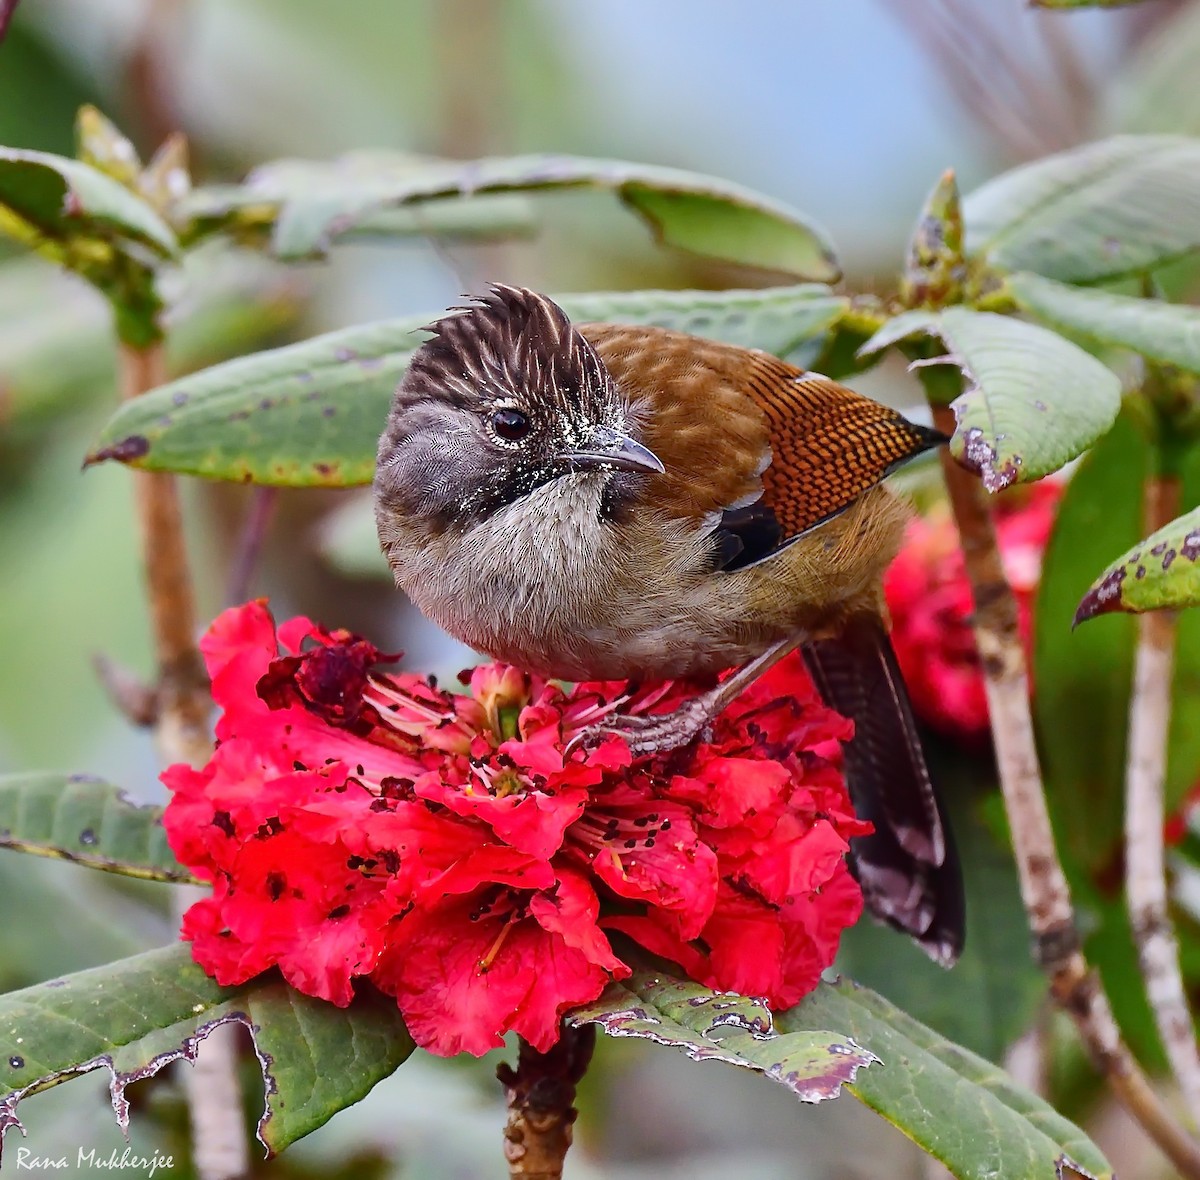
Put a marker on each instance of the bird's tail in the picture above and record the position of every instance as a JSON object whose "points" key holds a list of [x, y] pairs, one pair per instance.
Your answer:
{"points": [[908, 868]]}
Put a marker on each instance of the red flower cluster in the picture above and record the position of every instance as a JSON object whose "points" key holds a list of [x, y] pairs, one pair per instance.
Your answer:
{"points": [[929, 598], [445, 846]]}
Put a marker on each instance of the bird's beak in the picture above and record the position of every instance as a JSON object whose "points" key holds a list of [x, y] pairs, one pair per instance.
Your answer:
{"points": [[608, 448]]}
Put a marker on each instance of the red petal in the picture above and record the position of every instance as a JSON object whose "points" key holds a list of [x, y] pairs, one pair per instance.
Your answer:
{"points": [[534, 821], [570, 910], [451, 1004]]}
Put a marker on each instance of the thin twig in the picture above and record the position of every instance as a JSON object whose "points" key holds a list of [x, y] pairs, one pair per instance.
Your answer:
{"points": [[541, 1097], [220, 1150], [149, 73], [128, 692], [1044, 888], [1145, 868], [184, 704], [250, 543]]}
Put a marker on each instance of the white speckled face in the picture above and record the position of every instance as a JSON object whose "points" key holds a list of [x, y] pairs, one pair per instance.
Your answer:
{"points": [[507, 397]]}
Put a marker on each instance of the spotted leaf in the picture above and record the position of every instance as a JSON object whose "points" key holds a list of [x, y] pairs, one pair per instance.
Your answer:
{"points": [[310, 414], [1162, 571], [87, 821]]}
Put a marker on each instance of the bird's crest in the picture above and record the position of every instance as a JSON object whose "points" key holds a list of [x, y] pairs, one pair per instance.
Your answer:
{"points": [[511, 341]]}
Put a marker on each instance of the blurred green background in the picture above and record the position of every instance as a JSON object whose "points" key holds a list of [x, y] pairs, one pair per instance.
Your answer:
{"points": [[848, 111]]}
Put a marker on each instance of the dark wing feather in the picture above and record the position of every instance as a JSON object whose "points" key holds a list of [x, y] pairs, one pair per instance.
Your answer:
{"points": [[908, 868]]}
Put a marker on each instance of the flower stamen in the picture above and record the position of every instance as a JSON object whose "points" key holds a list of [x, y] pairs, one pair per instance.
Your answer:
{"points": [[489, 958]]}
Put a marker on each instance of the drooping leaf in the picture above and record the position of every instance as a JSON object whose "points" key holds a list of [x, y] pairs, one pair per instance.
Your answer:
{"points": [[137, 1015], [87, 821], [1159, 573], [1033, 401], [961, 1109], [1167, 333], [1111, 208], [312, 203], [311, 414], [56, 204], [720, 1026], [244, 215], [992, 996]]}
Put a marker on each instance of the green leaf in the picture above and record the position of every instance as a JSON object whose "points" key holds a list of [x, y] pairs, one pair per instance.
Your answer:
{"points": [[961, 1109], [244, 216], [137, 1015], [721, 1026], [1167, 333], [1033, 402], [311, 414], [87, 821], [1161, 572], [312, 203], [1116, 207], [55, 204]]}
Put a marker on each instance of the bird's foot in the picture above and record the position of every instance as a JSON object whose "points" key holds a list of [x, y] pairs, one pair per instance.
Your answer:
{"points": [[654, 734]]}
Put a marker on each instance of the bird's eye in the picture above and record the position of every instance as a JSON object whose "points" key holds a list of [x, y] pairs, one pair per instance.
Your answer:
{"points": [[511, 425]]}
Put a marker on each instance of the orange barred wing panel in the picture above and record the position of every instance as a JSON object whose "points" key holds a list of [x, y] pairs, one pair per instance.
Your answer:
{"points": [[829, 444]]}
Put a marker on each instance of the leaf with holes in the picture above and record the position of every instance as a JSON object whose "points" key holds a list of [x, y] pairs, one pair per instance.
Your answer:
{"points": [[1033, 401], [311, 414], [72, 211], [721, 1026], [311, 203], [963, 1110], [1161, 572], [140, 1014], [87, 821], [1167, 333], [1105, 209]]}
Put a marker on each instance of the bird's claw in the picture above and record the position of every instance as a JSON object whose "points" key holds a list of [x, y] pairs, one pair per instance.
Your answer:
{"points": [[655, 734]]}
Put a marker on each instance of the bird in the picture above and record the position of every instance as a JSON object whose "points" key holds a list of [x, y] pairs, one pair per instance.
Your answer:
{"points": [[601, 501]]}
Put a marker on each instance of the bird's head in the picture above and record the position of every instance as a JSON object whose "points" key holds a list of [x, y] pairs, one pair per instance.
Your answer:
{"points": [[506, 397]]}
